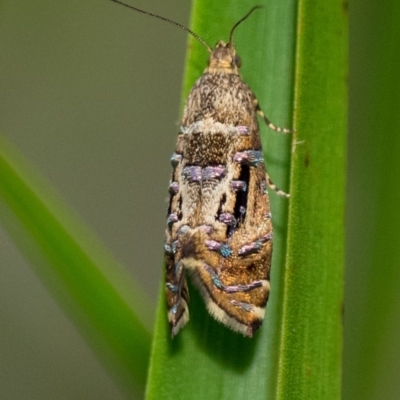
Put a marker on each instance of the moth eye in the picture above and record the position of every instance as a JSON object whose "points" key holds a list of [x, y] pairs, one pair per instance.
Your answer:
{"points": [[237, 61]]}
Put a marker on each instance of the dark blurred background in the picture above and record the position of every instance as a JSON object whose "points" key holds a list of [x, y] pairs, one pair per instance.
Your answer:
{"points": [[85, 88]]}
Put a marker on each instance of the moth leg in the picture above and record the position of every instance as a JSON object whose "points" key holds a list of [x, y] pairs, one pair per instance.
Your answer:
{"points": [[177, 299], [275, 188], [268, 122]]}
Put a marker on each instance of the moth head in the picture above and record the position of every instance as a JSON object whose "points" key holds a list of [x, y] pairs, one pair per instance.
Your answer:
{"points": [[224, 59]]}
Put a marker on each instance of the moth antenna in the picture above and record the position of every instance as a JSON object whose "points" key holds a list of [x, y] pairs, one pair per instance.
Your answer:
{"points": [[209, 49], [240, 21]]}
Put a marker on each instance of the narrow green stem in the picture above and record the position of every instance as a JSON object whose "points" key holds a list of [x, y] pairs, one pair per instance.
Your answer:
{"points": [[310, 359]]}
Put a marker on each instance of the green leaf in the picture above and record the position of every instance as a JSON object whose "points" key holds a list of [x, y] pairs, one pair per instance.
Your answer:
{"points": [[98, 296], [206, 360], [297, 352], [310, 359], [372, 323]]}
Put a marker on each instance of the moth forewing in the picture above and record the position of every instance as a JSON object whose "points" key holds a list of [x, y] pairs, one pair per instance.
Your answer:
{"points": [[220, 226]]}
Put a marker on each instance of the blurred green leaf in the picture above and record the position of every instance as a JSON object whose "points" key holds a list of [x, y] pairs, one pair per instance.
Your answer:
{"points": [[372, 323], [98, 296]]}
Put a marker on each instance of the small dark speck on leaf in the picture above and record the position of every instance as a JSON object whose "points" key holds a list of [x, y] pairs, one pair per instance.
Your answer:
{"points": [[307, 160], [345, 7], [342, 308]]}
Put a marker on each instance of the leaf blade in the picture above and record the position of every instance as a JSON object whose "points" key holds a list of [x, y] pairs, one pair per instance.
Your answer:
{"points": [[310, 362], [81, 276], [206, 360]]}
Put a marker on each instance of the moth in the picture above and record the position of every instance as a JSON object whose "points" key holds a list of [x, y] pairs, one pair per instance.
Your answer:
{"points": [[219, 228]]}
